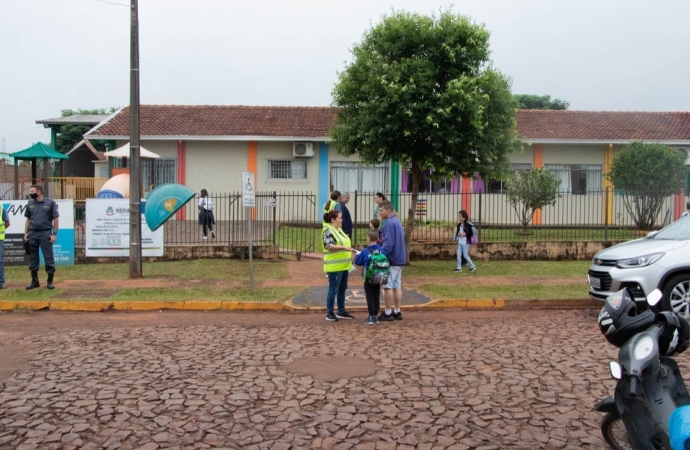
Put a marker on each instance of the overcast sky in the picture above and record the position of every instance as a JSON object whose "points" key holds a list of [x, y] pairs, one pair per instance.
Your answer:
{"points": [[71, 54]]}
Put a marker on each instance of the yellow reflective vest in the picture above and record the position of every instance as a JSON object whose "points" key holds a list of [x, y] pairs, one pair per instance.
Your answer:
{"points": [[338, 260], [2, 224]]}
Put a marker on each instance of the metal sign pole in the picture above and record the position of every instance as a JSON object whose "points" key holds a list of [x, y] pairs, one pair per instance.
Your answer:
{"points": [[251, 263], [249, 202]]}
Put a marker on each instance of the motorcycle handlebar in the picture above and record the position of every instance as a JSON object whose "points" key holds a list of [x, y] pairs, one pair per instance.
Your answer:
{"points": [[633, 387]]}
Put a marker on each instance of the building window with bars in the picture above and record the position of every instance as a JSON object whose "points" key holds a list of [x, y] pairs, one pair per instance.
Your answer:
{"points": [[287, 169], [154, 172], [349, 176], [577, 179]]}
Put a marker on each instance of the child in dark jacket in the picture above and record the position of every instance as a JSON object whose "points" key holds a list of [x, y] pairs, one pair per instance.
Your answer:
{"points": [[373, 292]]}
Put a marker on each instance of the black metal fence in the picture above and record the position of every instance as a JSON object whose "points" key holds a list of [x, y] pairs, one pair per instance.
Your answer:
{"points": [[290, 222]]}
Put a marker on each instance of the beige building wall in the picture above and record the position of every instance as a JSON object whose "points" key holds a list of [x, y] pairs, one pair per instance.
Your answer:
{"points": [[574, 154], [215, 166], [267, 151]]}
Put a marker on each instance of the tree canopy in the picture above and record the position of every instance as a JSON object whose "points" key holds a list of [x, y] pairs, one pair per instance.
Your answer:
{"points": [[69, 135], [527, 101], [421, 91], [529, 190], [646, 174]]}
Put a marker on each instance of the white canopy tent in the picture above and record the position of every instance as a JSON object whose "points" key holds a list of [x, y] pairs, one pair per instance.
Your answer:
{"points": [[123, 152]]}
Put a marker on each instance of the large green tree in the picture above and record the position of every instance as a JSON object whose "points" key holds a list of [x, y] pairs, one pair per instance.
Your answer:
{"points": [[527, 101], [69, 135], [421, 91], [646, 174]]}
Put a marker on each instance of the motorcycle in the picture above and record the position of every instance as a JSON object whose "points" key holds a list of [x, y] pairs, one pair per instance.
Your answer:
{"points": [[650, 386]]}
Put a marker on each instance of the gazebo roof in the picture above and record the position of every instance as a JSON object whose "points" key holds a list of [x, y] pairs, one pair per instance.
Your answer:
{"points": [[38, 151]]}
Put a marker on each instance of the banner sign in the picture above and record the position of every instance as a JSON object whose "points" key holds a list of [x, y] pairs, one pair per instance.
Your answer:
{"points": [[107, 229], [63, 248]]}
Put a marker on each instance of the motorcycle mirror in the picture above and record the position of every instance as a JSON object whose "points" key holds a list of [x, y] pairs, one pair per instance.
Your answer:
{"points": [[654, 297], [615, 370]]}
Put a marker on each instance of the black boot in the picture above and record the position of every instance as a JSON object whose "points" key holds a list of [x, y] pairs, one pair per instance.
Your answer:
{"points": [[50, 281], [34, 281]]}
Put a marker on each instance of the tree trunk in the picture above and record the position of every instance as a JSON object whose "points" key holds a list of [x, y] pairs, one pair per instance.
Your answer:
{"points": [[409, 226]]}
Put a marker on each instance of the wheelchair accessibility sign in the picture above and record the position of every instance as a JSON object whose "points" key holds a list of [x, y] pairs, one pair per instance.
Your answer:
{"points": [[248, 194]]}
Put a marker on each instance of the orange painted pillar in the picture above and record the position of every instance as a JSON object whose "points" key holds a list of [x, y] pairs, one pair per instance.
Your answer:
{"points": [[251, 167], [181, 173], [466, 200], [678, 204], [538, 164]]}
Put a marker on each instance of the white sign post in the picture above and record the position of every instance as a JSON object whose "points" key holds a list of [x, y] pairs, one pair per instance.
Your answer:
{"points": [[249, 201]]}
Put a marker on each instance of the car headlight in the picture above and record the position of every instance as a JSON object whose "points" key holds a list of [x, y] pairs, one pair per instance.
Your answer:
{"points": [[639, 261]]}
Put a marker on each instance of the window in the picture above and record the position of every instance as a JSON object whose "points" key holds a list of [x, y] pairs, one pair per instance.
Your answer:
{"points": [[496, 186], [354, 176], [431, 184], [287, 169], [154, 172], [577, 179]]}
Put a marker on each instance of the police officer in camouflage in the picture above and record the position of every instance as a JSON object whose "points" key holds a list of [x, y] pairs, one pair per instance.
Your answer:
{"points": [[40, 230]]}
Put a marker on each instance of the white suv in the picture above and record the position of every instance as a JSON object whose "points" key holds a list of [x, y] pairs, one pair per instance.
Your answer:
{"points": [[660, 260]]}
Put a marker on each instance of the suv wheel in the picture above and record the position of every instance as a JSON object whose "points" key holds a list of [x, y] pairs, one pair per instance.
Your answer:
{"points": [[677, 295]]}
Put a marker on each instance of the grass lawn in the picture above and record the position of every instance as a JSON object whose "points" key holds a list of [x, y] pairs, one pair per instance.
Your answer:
{"points": [[501, 269], [200, 269], [270, 294], [570, 291], [239, 270]]}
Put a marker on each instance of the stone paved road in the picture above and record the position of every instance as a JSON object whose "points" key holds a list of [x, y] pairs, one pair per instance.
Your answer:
{"points": [[436, 380]]}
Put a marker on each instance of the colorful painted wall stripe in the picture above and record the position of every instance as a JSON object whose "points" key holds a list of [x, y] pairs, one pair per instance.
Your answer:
{"points": [[538, 164], [181, 173], [324, 188]]}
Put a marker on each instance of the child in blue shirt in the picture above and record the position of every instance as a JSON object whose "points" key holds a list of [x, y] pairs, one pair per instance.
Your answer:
{"points": [[373, 292]]}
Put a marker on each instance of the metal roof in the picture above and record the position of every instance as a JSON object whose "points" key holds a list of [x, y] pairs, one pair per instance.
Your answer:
{"points": [[78, 119], [38, 151]]}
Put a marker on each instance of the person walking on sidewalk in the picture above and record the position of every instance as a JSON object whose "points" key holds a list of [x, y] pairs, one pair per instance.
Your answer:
{"points": [[337, 262], [394, 249], [206, 217], [463, 234], [40, 230], [372, 291], [4, 224]]}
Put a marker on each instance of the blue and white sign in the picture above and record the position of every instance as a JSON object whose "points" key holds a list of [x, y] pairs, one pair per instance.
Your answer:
{"points": [[63, 248]]}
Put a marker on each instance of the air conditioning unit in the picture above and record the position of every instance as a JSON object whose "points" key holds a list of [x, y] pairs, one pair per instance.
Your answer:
{"points": [[302, 149]]}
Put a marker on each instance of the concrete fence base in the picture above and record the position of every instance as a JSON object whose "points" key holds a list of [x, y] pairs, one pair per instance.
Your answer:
{"points": [[445, 251]]}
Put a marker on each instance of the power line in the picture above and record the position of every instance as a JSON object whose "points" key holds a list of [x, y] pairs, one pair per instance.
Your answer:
{"points": [[113, 3], [25, 131]]}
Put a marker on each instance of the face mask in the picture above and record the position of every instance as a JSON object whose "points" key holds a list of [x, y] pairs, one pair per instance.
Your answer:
{"points": [[33, 196]]}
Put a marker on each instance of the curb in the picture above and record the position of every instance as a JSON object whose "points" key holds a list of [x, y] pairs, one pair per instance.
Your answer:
{"points": [[235, 305]]}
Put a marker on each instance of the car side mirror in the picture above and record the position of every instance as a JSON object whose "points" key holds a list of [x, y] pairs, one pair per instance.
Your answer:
{"points": [[654, 297], [651, 234]]}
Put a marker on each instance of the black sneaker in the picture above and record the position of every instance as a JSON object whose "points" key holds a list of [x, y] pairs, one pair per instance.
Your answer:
{"points": [[386, 317], [344, 315], [371, 320], [473, 269], [397, 316], [331, 317], [457, 270]]}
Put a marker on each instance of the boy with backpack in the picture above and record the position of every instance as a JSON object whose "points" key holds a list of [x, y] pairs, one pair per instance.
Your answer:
{"points": [[375, 273]]}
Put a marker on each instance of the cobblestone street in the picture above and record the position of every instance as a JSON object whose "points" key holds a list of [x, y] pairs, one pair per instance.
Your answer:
{"points": [[436, 380]]}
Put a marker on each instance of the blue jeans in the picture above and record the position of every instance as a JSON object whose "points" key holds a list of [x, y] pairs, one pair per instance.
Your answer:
{"points": [[2, 261], [337, 285], [464, 251]]}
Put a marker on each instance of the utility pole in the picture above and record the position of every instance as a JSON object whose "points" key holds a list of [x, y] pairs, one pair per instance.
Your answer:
{"points": [[134, 153]]}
